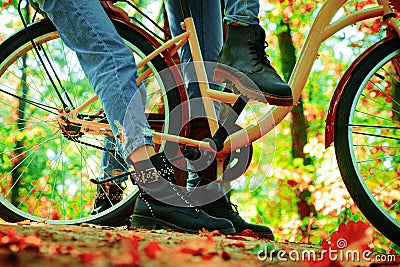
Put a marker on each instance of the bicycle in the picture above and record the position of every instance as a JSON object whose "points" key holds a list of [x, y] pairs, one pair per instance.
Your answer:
{"points": [[79, 125]]}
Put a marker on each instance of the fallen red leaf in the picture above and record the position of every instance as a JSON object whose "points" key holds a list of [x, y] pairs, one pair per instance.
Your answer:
{"points": [[108, 235], [249, 233], [151, 249], [87, 258], [209, 255], [131, 255], [191, 251], [14, 242], [351, 233], [225, 256], [236, 243]]}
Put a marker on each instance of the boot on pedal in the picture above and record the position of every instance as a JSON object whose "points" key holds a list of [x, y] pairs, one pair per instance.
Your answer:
{"points": [[243, 62]]}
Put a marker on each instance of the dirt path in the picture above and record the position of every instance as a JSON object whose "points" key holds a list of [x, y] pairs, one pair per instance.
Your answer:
{"points": [[38, 244]]}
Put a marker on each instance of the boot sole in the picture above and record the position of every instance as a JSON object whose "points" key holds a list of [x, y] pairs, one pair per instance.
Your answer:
{"points": [[246, 87], [151, 223]]}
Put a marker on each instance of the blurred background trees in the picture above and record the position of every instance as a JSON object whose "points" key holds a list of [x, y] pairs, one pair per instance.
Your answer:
{"points": [[302, 196]]}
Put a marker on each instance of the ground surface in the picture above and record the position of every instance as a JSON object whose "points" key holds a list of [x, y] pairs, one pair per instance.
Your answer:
{"points": [[39, 244]]}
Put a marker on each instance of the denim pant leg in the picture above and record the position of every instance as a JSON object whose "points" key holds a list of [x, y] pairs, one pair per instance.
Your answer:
{"points": [[243, 12], [207, 19], [208, 22], [107, 62]]}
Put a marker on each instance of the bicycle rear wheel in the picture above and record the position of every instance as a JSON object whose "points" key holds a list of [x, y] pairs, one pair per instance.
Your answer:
{"points": [[367, 137], [45, 168]]}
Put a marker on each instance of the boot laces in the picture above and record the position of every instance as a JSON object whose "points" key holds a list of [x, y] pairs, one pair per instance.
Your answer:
{"points": [[262, 55], [259, 56], [184, 196], [232, 208]]}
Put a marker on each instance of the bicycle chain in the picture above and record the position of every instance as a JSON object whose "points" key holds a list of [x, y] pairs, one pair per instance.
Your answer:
{"points": [[71, 138]]}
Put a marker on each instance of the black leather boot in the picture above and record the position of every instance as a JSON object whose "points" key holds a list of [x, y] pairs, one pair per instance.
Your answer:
{"points": [[244, 53], [162, 204], [107, 195], [224, 208]]}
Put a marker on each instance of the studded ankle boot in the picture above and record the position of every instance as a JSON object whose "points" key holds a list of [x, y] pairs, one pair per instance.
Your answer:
{"points": [[162, 204], [249, 69], [107, 195], [224, 208]]}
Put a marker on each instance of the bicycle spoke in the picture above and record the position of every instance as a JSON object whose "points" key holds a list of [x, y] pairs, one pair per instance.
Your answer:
{"points": [[371, 126], [379, 103], [367, 137], [377, 173], [384, 93], [387, 186], [377, 135], [374, 116], [376, 159], [392, 206], [30, 85]]}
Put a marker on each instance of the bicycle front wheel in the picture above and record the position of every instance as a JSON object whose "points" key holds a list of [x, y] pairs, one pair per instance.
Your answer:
{"points": [[367, 137], [45, 167]]}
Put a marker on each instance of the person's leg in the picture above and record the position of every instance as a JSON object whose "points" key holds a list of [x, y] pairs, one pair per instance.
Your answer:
{"points": [[244, 52], [112, 164], [107, 62], [110, 67], [244, 13], [208, 22], [207, 18]]}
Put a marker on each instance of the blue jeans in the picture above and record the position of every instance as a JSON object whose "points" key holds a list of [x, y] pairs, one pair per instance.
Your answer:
{"points": [[208, 22], [243, 12]]}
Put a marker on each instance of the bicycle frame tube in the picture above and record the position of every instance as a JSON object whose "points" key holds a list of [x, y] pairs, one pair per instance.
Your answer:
{"points": [[321, 30]]}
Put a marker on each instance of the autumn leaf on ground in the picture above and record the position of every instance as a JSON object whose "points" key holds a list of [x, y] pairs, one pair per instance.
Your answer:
{"points": [[152, 249], [15, 243], [347, 244]]}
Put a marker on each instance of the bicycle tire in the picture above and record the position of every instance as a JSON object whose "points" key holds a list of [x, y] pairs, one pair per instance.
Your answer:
{"points": [[58, 207], [367, 130]]}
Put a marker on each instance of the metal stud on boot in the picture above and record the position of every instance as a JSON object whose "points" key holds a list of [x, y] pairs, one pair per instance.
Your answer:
{"points": [[243, 62]]}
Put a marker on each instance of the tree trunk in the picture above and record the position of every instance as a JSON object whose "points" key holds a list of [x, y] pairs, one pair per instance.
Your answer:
{"points": [[298, 124]]}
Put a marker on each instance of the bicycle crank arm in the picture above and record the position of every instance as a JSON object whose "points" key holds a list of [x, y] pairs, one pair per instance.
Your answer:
{"points": [[222, 133]]}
